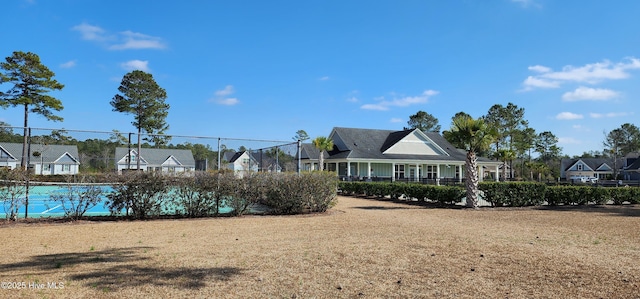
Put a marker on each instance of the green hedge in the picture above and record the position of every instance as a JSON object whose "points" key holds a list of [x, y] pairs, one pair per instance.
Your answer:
{"points": [[421, 192], [514, 194]]}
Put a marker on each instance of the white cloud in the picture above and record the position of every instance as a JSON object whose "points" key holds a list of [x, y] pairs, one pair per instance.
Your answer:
{"points": [[536, 82], [396, 120], [90, 32], [221, 96], [325, 78], [568, 116], [592, 73], [134, 40], [384, 105], [608, 115], [121, 41], [228, 101], [228, 90], [131, 65], [539, 69], [587, 93], [68, 64], [352, 100]]}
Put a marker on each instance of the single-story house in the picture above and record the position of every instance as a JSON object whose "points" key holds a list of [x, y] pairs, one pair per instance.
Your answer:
{"points": [[155, 159], [240, 162], [409, 155], [46, 159], [601, 168]]}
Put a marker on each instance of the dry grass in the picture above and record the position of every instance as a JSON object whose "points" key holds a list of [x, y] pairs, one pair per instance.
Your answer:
{"points": [[361, 249]]}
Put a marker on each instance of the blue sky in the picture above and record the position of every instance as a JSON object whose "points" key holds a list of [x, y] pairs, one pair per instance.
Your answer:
{"points": [[265, 69]]}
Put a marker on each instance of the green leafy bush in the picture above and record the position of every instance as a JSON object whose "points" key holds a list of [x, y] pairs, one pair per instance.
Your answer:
{"points": [[515, 194]]}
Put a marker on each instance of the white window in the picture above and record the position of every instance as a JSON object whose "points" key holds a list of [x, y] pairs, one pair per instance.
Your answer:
{"points": [[400, 171], [579, 167], [432, 172], [46, 167], [66, 167]]}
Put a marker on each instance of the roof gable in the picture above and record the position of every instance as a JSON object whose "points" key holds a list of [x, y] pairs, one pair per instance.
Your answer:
{"points": [[4, 153], [579, 165], [171, 161], [411, 142], [66, 158]]}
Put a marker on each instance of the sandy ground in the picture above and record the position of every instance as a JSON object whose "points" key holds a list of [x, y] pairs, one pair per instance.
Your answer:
{"points": [[362, 248]]}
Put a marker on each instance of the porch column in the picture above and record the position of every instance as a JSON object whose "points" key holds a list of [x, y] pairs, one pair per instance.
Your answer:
{"points": [[348, 169], [369, 169], [460, 174], [480, 173], [497, 175], [393, 171], [438, 174], [417, 179]]}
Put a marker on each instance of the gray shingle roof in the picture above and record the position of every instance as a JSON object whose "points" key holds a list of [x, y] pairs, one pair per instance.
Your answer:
{"points": [[157, 156], [50, 153], [354, 143], [593, 163]]}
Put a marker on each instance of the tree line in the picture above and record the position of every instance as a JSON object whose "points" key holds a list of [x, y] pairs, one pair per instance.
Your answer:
{"points": [[513, 141], [526, 153]]}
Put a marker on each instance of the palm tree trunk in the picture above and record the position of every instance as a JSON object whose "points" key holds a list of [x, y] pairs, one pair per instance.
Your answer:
{"points": [[504, 171], [472, 180], [321, 161]]}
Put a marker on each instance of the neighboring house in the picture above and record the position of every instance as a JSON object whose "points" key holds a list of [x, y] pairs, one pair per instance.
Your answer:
{"points": [[309, 155], [45, 159], [631, 167], [155, 160], [410, 155], [490, 171], [241, 162], [601, 168], [266, 163]]}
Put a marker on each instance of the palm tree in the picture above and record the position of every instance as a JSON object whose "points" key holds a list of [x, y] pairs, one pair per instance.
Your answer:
{"points": [[504, 155], [322, 144], [472, 135]]}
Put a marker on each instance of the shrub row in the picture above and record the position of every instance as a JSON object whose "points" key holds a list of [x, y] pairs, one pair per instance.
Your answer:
{"points": [[143, 195], [519, 194], [421, 192], [514, 194], [581, 195]]}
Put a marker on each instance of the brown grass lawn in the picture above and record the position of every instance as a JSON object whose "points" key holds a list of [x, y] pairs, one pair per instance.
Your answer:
{"points": [[363, 248]]}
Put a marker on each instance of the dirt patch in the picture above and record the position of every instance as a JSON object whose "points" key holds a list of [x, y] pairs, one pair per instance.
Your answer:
{"points": [[363, 248]]}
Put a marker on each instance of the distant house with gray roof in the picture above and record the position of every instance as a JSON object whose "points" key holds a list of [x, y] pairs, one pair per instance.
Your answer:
{"points": [[240, 162], [601, 168], [46, 159], [410, 155], [155, 160]]}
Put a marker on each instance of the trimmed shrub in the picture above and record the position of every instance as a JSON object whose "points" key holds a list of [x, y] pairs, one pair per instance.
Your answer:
{"points": [[515, 194]]}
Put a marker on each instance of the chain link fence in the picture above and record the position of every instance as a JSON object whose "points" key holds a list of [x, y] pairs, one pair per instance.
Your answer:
{"points": [[49, 151]]}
